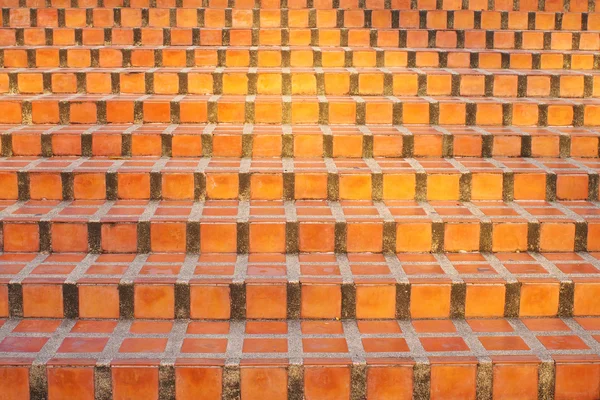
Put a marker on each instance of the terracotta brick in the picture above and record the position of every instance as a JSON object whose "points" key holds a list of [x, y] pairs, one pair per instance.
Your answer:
{"points": [[267, 237], [14, 382], [119, 238], [168, 237], [355, 187], [586, 300], [98, 301], [128, 382], [443, 187], [69, 237], [411, 237], [453, 380], [430, 300], [530, 186], [577, 380], [485, 300], [320, 300], [316, 237], [266, 301], [375, 301], [133, 185], [71, 382], [9, 189], [509, 237], [178, 186], [257, 382], [210, 301], [539, 298], [203, 382], [21, 237], [331, 382], [364, 237], [557, 236], [515, 380], [389, 382], [41, 300], [218, 238], [154, 301], [310, 186]]}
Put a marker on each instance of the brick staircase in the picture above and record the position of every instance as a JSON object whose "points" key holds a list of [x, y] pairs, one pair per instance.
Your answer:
{"points": [[299, 199]]}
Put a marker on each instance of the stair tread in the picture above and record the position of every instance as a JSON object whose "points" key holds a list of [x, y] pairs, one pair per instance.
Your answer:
{"points": [[263, 341], [261, 226], [358, 285], [314, 358]]}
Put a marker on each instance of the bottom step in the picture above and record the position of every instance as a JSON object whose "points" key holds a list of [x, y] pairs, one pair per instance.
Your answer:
{"points": [[426, 359]]}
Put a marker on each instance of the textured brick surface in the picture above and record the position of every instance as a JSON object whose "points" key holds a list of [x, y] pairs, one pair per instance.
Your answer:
{"points": [[299, 199]]}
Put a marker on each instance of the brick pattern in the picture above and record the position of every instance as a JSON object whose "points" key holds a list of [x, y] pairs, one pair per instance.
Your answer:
{"points": [[433, 358], [299, 199], [274, 286]]}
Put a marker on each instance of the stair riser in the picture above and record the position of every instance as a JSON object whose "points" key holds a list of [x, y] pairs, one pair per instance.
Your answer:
{"points": [[170, 184], [357, 57], [227, 235], [312, 142], [293, 381], [304, 82], [294, 18], [381, 110], [501, 5], [273, 298]]}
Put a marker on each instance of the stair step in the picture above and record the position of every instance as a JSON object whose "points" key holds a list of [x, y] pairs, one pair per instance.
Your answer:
{"points": [[476, 5], [448, 41], [368, 81], [306, 286], [142, 178], [295, 18], [271, 109], [312, 360], [306, 226], [272, 54], [304, 141]]}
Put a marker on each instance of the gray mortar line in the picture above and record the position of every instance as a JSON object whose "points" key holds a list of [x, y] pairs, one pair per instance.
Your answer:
{"points": [[414, 344], [102, 211], [52, 345], [353, 339], [29, 267], [396, 269], [55, 211], [235, 342], [174, 342], [529, 338], [292, 268], [344, 267], [337, 211], [243, 211], [447, 267], [241, 268], [295, 350], [188, 267], [134, 268], [111, 350], [81, 268], [550, 267]]}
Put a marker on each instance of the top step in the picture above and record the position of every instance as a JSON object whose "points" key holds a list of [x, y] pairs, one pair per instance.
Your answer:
{"points": [[500, 5]]}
